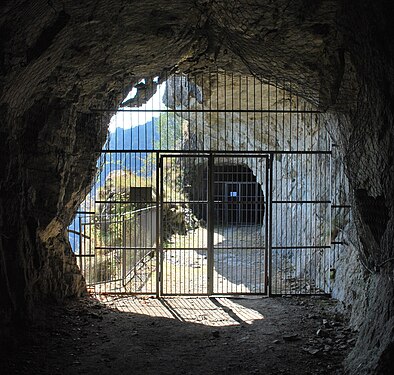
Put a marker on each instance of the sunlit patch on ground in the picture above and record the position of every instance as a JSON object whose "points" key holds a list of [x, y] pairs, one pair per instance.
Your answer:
{"points": [[215, 312]]}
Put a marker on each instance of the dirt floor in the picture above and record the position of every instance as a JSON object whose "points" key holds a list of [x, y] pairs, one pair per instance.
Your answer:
{"points": [[128, 335]]}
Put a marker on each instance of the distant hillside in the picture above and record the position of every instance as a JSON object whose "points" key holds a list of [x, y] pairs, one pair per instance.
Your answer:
{"points": [[142, 137], [161, 133], [138, 138]]}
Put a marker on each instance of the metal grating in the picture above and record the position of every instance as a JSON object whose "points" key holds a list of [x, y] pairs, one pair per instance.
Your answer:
{"points": [[220, 184]]}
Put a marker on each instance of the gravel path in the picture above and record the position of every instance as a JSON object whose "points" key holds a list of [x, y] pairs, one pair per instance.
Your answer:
{"points": [[238, 261]]}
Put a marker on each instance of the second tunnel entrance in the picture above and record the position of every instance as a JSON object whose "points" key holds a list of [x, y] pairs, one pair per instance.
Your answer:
{"points": [[238, 197]]}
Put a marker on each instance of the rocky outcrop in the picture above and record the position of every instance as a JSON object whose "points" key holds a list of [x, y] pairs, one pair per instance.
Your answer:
{"points": [[58, 59]]}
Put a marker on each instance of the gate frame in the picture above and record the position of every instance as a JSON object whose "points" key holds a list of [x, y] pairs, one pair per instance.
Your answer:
{"points": [[270, 152], [211, 155]]}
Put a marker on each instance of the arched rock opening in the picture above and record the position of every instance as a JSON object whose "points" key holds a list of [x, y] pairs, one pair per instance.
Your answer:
{"points": [[59, 60]]}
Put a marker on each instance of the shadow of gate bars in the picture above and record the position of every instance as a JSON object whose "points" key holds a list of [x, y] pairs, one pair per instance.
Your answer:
{"points": [[218, 184]]}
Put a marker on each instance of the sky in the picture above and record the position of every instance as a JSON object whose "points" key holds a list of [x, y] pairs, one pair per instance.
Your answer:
{"points": [[133, 118]]}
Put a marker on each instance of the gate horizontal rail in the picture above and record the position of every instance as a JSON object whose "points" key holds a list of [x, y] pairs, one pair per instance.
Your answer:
{"points": [[290, 111], [234, 153]]}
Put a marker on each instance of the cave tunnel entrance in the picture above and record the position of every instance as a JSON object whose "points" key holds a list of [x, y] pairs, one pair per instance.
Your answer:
{"points": [[238, 197], [213, 183]]}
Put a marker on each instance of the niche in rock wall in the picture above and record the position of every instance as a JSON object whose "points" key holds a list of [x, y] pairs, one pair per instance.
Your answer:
{"points": [[238, 199]]}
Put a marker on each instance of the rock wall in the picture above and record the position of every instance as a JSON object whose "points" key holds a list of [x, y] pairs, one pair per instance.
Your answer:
{"points": [[58, 59]]}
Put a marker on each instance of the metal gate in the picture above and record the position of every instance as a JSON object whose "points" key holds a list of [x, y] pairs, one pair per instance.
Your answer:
{"points": [[226, 250], [227, 188]]}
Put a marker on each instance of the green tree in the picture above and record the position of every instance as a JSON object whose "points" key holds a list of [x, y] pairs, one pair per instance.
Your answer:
{"points": [[169, 128]]}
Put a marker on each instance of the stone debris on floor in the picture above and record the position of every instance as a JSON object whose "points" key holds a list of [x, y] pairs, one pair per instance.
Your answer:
{"points": [[192, 335]]}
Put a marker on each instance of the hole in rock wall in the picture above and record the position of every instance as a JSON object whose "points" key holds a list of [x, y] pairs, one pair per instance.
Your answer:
{"points": [[374, 213]]}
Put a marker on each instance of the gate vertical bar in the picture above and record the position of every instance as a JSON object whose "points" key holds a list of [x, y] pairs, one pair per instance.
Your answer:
{"points": [[269, 260], [80, 244], [160, 281], [210, 239], [157, 222], [123, 250], [330, 226]]}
